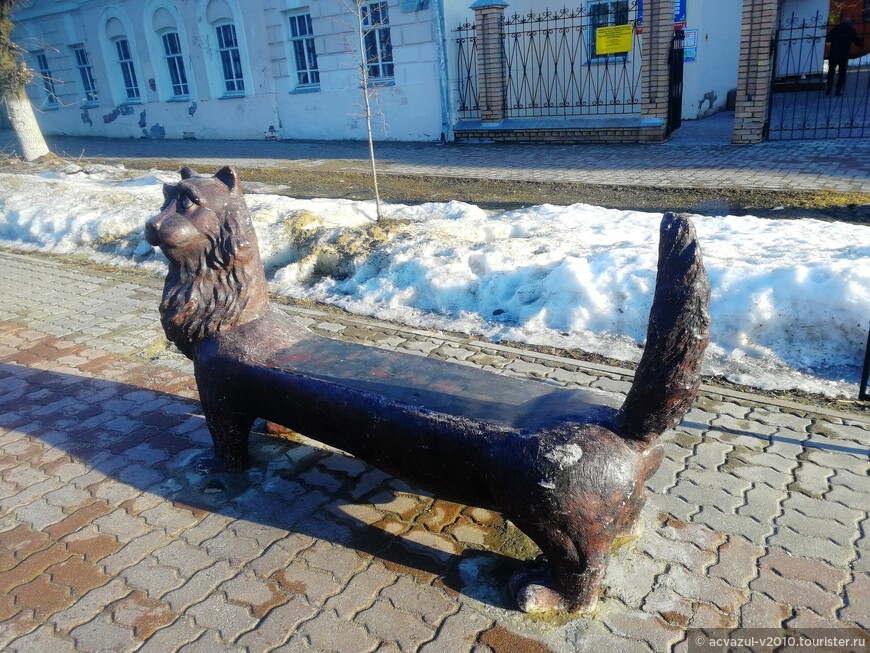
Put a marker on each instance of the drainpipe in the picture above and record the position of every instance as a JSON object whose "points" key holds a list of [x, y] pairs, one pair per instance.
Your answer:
{"points": [[443, 69]]}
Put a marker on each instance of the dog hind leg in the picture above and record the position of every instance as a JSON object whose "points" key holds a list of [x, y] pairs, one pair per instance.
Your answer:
{"points": [[577, 564]]}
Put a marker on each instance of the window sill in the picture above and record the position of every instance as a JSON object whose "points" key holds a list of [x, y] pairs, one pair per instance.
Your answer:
{"points": [[231, 96], [130, 101], [50, 107], [305, 89], [385, 81], [90, 105], [608, 61], [179, 98]]}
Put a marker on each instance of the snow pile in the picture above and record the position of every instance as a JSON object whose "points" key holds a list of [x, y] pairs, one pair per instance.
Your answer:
{"points": [[790, 299]]}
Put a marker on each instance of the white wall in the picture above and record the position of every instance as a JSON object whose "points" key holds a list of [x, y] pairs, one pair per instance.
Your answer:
{"points": [[802, 27], [707, 79], [410, 107]]}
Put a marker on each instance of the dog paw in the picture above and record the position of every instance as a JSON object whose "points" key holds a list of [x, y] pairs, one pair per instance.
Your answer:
{"points": [[209, 464], [535, 597]]}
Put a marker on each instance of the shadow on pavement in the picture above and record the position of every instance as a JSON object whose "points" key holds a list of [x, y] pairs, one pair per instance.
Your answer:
{"points": [[152, 440]]}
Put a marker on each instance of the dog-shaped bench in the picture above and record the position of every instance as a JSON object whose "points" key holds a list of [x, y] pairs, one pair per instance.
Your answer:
{"points": [[565, 466]]}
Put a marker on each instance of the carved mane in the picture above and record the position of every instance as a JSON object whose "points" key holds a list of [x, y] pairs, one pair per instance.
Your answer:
{"points": [[215, 289]]}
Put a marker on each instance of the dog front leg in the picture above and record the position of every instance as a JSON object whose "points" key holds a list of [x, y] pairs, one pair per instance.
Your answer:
{"points": [[230, 431]]}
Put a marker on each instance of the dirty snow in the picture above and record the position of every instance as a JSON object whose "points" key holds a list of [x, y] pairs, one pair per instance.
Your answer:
{"points": [[790, 298]]}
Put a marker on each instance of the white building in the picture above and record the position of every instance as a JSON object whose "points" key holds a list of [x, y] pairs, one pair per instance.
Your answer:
{"points": [[232, 68]]}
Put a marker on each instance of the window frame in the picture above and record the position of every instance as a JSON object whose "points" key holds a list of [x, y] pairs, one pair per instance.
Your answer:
{"points": [[302, 46], [377, 39], [178, 82], [86, 72], [230, 60], [42, 67], [612, 20], [128, 70]]}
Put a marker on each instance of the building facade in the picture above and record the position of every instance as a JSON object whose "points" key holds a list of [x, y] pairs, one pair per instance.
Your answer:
{"points": [[512, 70], [231, 68], [290, 69]]}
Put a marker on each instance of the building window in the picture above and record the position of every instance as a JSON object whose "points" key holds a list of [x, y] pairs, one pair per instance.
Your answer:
{"points": [[47, 80], [87, 74], [304, 54], [125, 61], [379, 49], [231, 62], [604, 14], [175, 63]]}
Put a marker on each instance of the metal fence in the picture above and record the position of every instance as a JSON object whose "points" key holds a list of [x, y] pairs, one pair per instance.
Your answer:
{"points": [[466, 71], [554, 66], [805, 102]]}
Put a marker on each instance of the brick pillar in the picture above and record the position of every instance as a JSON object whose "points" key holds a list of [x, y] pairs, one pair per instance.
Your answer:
{"points": [[655, 47], [755, 70], [488, 16]]}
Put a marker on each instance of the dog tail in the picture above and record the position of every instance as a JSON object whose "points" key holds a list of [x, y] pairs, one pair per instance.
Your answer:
{"points": [[667, 378]]}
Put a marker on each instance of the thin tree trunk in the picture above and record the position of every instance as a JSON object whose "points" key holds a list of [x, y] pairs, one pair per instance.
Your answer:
{"points": [[24, 123], [368, 109]]}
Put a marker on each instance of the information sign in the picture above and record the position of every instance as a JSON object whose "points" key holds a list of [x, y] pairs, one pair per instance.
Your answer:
{"points": [[613, 39]]}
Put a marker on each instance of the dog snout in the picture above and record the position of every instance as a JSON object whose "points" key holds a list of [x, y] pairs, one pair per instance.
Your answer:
{"points": [[152, 228]]}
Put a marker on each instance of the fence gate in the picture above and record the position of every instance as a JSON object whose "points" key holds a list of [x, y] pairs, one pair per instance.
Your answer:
{"points": [[800, 108], [675, 85]]}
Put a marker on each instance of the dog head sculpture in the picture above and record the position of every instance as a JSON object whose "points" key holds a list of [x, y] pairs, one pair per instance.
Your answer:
{"points": [[215, 278]]}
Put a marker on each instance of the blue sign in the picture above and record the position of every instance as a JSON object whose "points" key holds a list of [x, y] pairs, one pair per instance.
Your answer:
{"points": [[679, 11]]}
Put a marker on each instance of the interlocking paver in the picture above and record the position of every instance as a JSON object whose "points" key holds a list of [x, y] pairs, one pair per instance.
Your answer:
{"points": [[102, 634], [199, 586], [229, 619], [643, 626], [171, 638], [329, 633], [361, 591], [133, 551], [277, 625], [249, 591], [152, 578], [42, 639]]}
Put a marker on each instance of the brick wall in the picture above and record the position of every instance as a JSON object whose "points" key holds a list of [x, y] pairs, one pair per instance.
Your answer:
{"points": [[658, 33], [755, 68], [567, 136]]}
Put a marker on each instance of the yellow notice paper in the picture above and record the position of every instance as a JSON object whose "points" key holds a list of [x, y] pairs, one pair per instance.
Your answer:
{"points": [[613, 39]]}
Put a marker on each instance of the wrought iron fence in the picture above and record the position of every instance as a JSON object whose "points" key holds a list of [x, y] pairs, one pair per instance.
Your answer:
{"points": [[805, 102], [466, 71], [555, 66]]}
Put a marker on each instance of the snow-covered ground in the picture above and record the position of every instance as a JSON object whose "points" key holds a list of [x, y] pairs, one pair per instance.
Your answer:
{"points": [[790, 298]]}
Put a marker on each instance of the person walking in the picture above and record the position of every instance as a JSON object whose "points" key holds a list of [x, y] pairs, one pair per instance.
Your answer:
{"points": [[841, 39]]}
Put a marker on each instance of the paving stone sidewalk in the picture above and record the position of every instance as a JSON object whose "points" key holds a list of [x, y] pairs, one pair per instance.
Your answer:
{"points": [[700, 155], [112, 540]]}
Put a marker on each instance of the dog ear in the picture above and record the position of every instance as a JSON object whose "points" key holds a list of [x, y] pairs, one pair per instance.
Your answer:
{"points": [[187, 173], [230, 178]]}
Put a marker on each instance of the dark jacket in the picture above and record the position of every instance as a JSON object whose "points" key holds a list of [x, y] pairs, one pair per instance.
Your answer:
{"points": [[841, 37]]}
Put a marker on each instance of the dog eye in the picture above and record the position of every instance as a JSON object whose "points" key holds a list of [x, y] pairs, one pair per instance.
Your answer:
{"points": [[184, 203]]}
